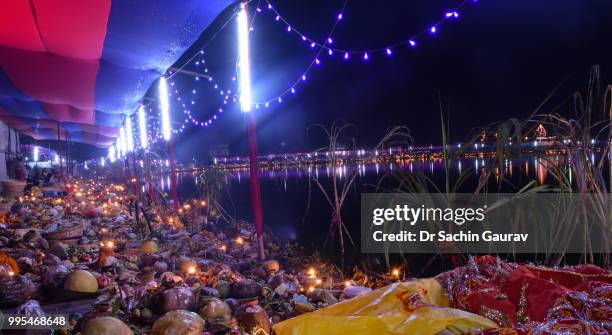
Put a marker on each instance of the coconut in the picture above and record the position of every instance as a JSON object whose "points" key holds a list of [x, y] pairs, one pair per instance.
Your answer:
{"points": [[14, 290], [178, 323], [216, 311], [254, 317], [149, 247], [81, 281], [160, 267], [54, 276], [58, 249], [224, 288], [178, 298], [245, 289], [271, 266], [106, 325]]}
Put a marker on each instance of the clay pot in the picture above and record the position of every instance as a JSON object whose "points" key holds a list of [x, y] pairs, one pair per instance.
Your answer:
{"points": [[178, 323], [245, 289], [81, 281], [106, 325], [216, 311], [178, 298]]}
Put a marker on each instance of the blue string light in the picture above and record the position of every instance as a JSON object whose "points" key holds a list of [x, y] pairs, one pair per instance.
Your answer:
{"points": [[365, 54]]}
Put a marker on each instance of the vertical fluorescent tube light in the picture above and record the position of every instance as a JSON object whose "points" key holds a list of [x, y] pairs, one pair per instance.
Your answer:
{"points": [[245, 71], [118, 146], [36, 154], [111, 153], [129, 134], [102, 161], [142, 127], [123, 148], [165, 108], [56, 158]]}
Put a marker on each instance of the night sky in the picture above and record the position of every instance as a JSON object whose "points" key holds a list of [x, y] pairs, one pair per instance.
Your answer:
{"points": [[499, 60]]}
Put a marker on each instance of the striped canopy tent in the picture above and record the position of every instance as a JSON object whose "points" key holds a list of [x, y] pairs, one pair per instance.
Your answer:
{"points": [[83, 65]]}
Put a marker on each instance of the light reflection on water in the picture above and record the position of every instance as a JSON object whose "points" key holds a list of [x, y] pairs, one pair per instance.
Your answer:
{"points": [[295, 208], [530, 168]]}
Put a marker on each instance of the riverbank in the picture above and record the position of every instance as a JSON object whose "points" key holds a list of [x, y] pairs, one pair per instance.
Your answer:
{"points": [[117, 264]]}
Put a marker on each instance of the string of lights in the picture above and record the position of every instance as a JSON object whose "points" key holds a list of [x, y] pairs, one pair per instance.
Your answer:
{"points": [[328, 45], [347, 54], [227, 94]]}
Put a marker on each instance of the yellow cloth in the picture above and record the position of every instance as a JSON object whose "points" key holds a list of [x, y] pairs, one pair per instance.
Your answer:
{"points": [[413, 307]]}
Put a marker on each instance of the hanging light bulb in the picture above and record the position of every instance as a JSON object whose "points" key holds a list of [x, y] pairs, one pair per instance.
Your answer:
{"points": [[165, 108], [245, 71], [142, 127]]}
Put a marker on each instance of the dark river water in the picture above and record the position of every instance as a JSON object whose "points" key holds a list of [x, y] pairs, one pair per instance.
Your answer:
{"points": [[295, 209]]}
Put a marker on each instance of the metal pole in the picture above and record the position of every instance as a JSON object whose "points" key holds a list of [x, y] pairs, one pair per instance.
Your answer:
{"points": [[255, 189], [173, 180], [245, 104]]}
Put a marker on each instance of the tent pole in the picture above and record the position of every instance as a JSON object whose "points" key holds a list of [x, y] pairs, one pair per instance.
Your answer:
{"points": [[255, 189], [173, 180], [59, 151]]}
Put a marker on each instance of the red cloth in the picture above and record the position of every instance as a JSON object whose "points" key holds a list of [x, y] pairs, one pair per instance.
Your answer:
{"points": [[526, 299]]}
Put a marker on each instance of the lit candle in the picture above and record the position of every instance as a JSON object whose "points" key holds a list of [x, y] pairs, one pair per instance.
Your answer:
{"points": [[395, 272], [312, 272], [239, 240]]}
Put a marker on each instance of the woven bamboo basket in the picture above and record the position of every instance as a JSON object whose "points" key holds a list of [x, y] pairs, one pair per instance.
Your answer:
{"points": [[74, 232]]}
